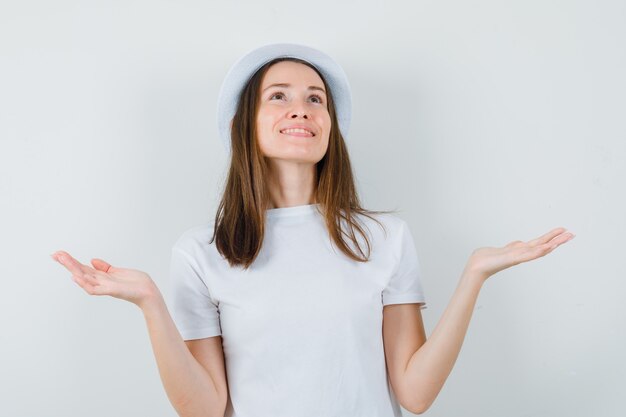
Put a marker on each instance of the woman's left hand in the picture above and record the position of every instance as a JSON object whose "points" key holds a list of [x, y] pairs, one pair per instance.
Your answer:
{"points": [[486, 262]]}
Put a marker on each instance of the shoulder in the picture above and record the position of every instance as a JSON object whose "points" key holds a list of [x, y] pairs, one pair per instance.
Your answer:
{"points": [[384, 231], [392, 224], [195, 238]]}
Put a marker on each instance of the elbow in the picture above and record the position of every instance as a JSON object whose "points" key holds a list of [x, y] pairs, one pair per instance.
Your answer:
{"points": [[417, 410], [419, 398], [189, 407], [417, 407]]}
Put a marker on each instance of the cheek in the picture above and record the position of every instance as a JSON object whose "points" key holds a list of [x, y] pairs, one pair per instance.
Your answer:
{"points": [[263, 124], [267, 119]]}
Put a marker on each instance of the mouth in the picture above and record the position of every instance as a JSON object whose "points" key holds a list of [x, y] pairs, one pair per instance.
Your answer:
{"points": [[297, 132]]}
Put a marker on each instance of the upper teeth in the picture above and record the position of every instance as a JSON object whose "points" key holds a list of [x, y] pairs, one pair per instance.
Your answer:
{"points": [[297, 131]]}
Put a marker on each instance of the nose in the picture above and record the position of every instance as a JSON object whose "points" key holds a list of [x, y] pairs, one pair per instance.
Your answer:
{"points": [[298, 111]]}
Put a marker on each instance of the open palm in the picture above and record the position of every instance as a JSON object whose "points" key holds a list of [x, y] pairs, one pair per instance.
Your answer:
{"points": [[488, 261], [103, 279]]}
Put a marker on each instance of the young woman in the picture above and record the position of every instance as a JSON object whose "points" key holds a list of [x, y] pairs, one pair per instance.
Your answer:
{"points": [[295, 300]]}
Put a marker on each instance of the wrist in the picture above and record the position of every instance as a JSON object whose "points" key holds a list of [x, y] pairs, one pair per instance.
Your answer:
{"points": [[471, 277], [152, 300]]}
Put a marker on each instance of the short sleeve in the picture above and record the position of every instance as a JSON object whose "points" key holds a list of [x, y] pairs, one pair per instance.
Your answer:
{"points": [[193, 311], [405, 284]]}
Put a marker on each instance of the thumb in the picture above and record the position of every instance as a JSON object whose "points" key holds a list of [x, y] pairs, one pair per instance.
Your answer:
{"points": [[100, 265]]}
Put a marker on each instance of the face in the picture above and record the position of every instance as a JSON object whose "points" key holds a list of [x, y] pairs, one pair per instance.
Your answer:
{"points": [[301, 100]]}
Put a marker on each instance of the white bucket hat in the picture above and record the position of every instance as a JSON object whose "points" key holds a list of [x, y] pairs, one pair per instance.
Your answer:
{"points": [[241, 72]]}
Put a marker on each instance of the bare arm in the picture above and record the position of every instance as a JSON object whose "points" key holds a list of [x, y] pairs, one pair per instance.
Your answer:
{"points": [[193, 374], [429, 367], [189, 386]]}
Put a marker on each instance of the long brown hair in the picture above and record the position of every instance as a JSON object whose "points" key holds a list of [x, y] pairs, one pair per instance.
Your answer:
{"points": [[240, 218]]}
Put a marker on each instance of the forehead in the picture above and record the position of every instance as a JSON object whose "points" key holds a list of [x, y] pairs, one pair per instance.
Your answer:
{"points": [[292, 72]]}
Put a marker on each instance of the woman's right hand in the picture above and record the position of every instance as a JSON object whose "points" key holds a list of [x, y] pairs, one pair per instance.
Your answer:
{"points": [[103, 279]]}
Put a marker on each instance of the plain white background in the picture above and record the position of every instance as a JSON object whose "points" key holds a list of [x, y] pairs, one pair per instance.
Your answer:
{"points": [[483, 122]]}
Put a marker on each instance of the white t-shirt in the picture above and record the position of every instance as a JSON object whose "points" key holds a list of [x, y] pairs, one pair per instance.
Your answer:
{"points": [[302, 327]]}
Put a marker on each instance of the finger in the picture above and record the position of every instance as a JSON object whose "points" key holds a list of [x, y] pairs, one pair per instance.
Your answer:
{"points": [[547, 237], [100, 265], [72, 264], [548, 247], [559, 240]]}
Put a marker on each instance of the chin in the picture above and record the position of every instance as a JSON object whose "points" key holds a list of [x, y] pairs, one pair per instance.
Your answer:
{"points": [[294, 157]]}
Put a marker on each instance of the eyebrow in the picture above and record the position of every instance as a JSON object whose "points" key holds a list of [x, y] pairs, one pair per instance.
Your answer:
{"points": [[311, 87]]}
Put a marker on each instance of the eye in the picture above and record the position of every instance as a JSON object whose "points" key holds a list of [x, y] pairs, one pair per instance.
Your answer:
{"points": [[276, 94], [319, 99]]}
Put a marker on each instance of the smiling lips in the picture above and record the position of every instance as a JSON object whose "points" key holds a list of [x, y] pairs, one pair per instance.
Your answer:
{"points": [[297, 132]]}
